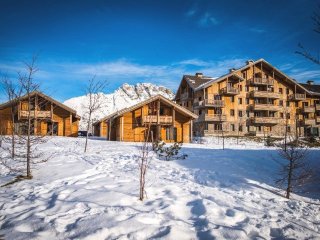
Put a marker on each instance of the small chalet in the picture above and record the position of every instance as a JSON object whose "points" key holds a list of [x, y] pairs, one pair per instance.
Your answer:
{"points": [[169, 122], [48, 116]]}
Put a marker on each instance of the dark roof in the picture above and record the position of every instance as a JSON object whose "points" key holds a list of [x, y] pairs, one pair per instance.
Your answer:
{"points": [[311, 87], [195, 81]]}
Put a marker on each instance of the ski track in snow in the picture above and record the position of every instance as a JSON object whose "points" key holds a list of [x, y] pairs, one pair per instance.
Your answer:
{"points": [[213, 194]]}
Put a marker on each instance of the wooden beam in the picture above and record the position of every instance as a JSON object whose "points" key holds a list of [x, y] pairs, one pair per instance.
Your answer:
{"points": [[158, 112], [70, 124], [191, 130], [173, 116]]}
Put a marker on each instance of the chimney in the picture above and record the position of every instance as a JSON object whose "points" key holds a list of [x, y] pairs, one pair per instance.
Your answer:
{"points": [[250, 61], [232, 70], [199, 75], [310, 82]]}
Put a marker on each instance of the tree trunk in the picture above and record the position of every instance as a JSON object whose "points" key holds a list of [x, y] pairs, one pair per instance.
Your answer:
{"points": [[28, 141], [289, 179], [12, 135], [88, 127]]}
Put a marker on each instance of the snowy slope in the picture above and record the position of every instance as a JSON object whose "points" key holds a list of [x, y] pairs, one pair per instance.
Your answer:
{"points": [[125, 96], [213, 194]]}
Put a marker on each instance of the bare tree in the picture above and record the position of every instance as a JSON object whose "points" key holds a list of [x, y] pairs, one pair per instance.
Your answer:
{"points": [[145, 153], [93, 91], [302, 50], [26, 137], [294, 171], [13, 93]]}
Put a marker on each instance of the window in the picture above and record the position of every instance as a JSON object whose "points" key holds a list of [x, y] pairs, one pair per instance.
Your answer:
{"points": [[247, 101], [288, 104], [187, 104], [280, 102], [200, 112], [232, 127], [281, 115], [239, 100], [244, 75], [232, 98], [240, 113], [200, 98], [247, 88], [248, 113], [288, 115], [231, 112], [240, 88], [297, 104], [161, 111], [218, 126], [305, 104], [170, 133], [240, 128], [287, 90], [259, 128], [288, 129], [280, 90]]}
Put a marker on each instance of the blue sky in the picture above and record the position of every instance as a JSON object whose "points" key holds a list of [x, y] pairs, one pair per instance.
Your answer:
{"points": [[152, 41]]}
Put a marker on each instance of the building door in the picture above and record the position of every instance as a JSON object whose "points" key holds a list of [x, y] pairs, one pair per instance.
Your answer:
{"points": [[52, 128]]}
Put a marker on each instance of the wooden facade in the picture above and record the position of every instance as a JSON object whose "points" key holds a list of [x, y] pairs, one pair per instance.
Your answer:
{"points": [[256, 99], [48, 116], [167, 121]]}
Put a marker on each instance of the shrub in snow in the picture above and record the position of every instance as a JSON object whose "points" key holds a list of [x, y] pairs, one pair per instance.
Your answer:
{"points": [[168, 152]]}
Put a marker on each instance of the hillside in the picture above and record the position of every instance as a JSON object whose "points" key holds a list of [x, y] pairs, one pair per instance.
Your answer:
{"points": [[125, 96]]}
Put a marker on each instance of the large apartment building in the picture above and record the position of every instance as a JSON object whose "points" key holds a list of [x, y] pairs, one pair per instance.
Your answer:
{"points": [[256, 99]]}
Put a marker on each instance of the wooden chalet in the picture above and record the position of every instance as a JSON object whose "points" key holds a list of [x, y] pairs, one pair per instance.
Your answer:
{"points": [[48, 116], [168, 122]]}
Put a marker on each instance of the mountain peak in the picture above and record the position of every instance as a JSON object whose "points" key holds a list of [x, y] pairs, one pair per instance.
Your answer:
{"points": [[125, 96]]}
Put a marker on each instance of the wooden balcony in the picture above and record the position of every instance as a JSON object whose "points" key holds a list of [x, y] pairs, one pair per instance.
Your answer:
{"points": [[317, 107], [153, 119], [308, 109], [212, 118], [297, 97], [265, 107], [229, 91], [265, 120], [309, 121], [264, 94], [209, 103], [261, 81], [35, 114]]}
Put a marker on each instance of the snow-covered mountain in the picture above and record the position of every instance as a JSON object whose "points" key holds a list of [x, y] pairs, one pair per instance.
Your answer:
{"points": [[125, 96]]}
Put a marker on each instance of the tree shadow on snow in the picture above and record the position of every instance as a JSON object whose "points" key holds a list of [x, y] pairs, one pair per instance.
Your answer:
{"points": [[240, 168]]}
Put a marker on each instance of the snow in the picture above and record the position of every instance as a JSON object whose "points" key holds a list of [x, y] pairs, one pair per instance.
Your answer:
{"points": [[126, 96], [214, 193]]}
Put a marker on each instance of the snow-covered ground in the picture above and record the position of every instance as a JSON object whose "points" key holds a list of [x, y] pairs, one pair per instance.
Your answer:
{"points": [[213, 194]]}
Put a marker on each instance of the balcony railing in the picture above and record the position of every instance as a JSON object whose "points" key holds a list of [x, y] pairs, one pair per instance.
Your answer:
{"points": [[212, 118], [297, 96], [261, 81], [209, 103], [35, 114], [212, 132], [265, 120], [153, 119], [317, 107], [264, 94], [308, 109], [309, 121], [265, 107], [229, 91]]}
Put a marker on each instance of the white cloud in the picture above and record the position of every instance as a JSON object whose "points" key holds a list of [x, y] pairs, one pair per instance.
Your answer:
{"points": [[207, 20]]}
